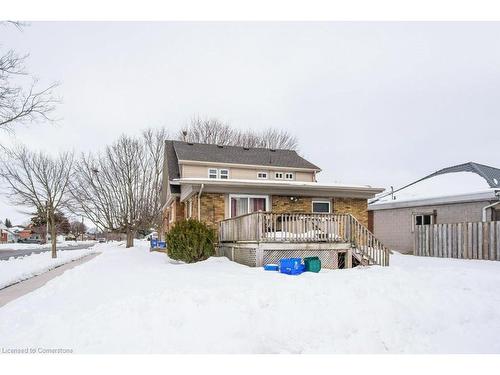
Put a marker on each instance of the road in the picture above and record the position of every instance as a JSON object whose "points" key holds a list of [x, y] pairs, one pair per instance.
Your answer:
{"points": [[6, 254]]}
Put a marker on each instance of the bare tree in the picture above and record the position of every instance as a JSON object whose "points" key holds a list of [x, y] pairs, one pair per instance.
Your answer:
{"points": [[119, 189], [22, 102], [208, 130], [77, 228], [214, 131], [38, 181]]}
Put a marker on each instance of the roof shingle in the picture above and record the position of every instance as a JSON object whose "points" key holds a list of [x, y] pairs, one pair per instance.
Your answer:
{"points": [[240, 155]]}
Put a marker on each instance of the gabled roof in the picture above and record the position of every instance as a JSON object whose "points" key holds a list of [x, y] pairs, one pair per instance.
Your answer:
{"points": [[240, 155]]}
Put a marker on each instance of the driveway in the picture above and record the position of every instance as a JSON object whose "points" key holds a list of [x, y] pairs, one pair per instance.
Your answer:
{"points": [[6, 254]]}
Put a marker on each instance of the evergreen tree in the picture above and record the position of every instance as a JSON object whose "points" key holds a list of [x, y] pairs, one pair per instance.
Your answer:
{"points": [[8, 223]]}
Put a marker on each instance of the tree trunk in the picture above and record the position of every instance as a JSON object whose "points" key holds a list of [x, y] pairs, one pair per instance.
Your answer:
{"points": [[130, 238], [53, 234]]}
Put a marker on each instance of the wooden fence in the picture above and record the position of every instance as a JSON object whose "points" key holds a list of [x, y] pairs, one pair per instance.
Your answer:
{"points": [[478, 240]]}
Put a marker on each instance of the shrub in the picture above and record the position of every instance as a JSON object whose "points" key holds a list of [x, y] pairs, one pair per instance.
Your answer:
{"points": [[190, 241]]}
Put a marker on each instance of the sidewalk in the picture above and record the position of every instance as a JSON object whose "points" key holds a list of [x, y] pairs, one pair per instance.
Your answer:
{"points": [[15, 291]]}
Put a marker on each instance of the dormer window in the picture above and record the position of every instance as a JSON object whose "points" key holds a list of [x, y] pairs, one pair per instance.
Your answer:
{"points": [[212, 173]]}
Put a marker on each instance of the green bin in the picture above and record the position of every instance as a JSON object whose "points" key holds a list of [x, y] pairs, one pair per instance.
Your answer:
{"points": [[313, 264]]}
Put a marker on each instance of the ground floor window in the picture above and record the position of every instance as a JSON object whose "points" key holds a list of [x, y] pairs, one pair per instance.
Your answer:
{"points": [[321, 207], [245, 204], [423, 219]]}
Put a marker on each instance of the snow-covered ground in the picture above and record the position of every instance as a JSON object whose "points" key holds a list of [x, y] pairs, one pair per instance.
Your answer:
{"points": [[133, 301], [32, 246], [22, 268]]}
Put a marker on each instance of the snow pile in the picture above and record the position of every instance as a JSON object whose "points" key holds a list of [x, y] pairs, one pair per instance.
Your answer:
{"points": [[134, 301], [34, 246], [22, 268]]}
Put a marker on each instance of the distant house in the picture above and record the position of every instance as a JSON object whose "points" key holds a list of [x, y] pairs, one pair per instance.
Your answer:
{"points": [[257, 195], [467, 192], [7, 235]]}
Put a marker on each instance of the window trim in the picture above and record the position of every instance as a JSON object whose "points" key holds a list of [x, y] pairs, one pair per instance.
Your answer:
{"points": [[292, 176], [262, 178], [321, 201], [276, 175], [247, 196]]}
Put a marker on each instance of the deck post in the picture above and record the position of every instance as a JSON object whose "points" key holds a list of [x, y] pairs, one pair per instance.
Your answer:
{"points": [[335, 260], [348, 260], [259, 256]]}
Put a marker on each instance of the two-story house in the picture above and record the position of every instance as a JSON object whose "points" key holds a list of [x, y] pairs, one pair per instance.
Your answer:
{"points": [[213, 182], [267, 204]]}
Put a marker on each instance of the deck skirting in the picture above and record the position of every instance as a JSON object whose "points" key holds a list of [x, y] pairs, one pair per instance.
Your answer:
{"points": [[257, 254]]}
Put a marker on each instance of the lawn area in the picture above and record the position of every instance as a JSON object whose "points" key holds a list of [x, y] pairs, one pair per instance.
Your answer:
{"points": [[134, 301]]}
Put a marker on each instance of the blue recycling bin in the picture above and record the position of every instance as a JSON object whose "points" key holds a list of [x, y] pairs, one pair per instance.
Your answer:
{"points": [[291, 266]]}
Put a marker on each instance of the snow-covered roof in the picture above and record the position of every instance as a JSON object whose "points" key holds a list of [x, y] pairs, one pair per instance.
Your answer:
{"points": [[269, 182], [464, 182], [277, 187]]}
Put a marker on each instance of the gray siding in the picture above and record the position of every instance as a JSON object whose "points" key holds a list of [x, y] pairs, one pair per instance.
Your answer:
{"points": [[394, 226]]}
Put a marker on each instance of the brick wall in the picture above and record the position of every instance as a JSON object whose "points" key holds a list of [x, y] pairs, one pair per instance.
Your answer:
{"points": [[358, 207], [282, 203], [176, 209], [212, 208], [355, 206]]}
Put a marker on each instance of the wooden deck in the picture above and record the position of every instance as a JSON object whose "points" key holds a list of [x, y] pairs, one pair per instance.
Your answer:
{"points": [[298, 228]]}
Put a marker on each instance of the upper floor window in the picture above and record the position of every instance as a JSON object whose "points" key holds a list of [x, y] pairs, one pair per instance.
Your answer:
{"points": [[212, 173], [223, 174], [262, 175], [288, 176], [278, 175]]}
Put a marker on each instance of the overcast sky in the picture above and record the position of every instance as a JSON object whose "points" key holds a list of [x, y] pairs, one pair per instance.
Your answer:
{"points": [[371, 103]]}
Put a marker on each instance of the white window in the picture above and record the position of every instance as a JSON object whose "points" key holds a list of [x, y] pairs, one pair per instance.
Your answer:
{"points": [[289, 176], [245, 204], [278, 175], [212, 173], [321, 207], [262, 175], [223, 174]]}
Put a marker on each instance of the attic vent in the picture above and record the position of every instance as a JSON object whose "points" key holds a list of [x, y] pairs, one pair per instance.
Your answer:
{"points": [[189, 143], [220, 146], [246, 148], [273, 150]]}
